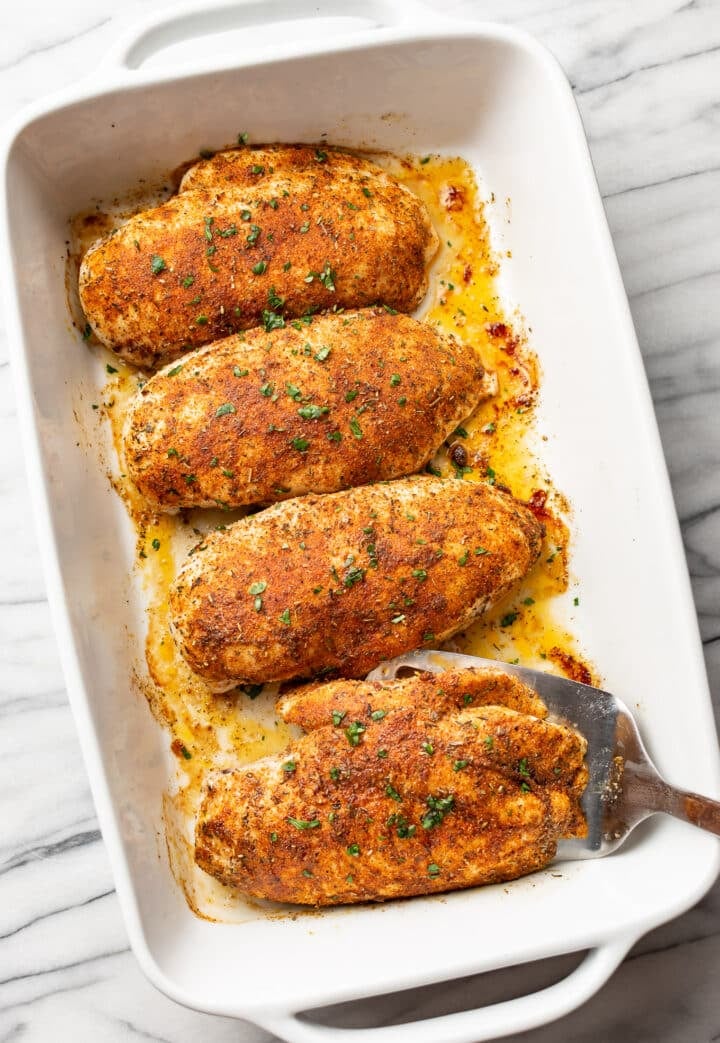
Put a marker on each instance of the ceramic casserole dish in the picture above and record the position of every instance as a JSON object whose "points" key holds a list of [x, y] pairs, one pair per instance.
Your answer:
{"points": [[397, 77]]}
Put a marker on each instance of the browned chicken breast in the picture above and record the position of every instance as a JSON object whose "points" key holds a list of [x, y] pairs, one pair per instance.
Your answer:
{"points": [[343, 581], [313, 705], [256, 243], [383, 800], [352, 399]]}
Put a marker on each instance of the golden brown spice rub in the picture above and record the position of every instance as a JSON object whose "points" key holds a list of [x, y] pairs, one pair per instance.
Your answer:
{"points": [[389, 798], [267, 247], [343, 581], [353, 398]]}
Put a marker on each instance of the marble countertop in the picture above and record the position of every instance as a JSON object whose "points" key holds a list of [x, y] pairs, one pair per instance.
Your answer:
{"points": [[646, 76]]}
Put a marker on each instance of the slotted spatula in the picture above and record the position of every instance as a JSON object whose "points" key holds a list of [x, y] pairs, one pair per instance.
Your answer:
{"points": [[624, 786]]}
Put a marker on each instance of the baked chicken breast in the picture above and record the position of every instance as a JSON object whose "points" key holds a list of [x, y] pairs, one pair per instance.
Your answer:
{"points": [[353, 398], [343, 581], [394, 796], [251, 241]]}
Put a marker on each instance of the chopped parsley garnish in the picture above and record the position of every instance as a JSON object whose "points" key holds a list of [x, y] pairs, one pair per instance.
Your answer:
{"points": [[338, 717], [433, 869], [157, 264], [156, 544], [460, 432], [237, 372], [223, 410], [353, 733], [259, 268], [366, 192], [467, 699], [352, 576], [459, 765], [209, 222], [301, 444], [377, 715], [111, 369], [313, 412], [305, 228], [428, 748], [275, 302], [284, 617], [334, 774], [254, 234], [525, 787], [355, 428], [420, 574], [382, 753], [201, 320], [243, 138], [391, 792], [174, 371], [188, 281], [322, 353], [508, 619], [272, 321], [257, 169], [480, 551], [395, 380], [304, 823], [320, 156], [354, 850], [523, 768], [490, 475], [289, 767], [266, 390], [350, 396], [258, 588], [463, 559], [438, 808]]}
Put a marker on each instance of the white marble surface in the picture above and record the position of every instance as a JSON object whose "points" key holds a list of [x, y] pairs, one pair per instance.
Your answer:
{"points": [[647, 78]]}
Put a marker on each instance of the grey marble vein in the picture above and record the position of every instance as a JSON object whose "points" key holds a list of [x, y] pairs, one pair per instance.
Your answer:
{"points": [[647, 79]]}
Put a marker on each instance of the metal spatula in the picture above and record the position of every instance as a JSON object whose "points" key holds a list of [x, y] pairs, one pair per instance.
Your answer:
{"points": [[624, 786]]}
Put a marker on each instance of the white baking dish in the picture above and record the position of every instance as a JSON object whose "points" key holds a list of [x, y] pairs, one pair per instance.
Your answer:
{"points": [[384, 76]]}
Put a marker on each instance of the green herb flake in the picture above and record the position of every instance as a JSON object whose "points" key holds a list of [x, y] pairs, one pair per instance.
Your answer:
{"points": [[354, 850], [428, 748], [284, 617], [225, 409], [156, 544], [391, 792], [489, 742], [201, 320], [395, 380], [523, 768], [237, 372], [289, 767], [382, 754], [313, 412], [459, 765], [254, 234], [257, 588], [174, 371], [438, 808], [157, 264], [304, 823], [272, 321], [355, 428], [433, 869], [259, 268], [480, 552], [338, 717], [257, 169], [508, 619], [353, 733], [377, 715], [322, 353], [334, 774], [301, 444], [463, 559], [366, 192]]}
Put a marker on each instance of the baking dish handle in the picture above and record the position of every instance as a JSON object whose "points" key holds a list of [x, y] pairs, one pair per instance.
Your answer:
{"points": [[470, 1026], [195, 19]]}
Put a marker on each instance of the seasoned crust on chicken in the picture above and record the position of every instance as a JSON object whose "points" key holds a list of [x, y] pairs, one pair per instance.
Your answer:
{"points": [[313, 705], [216, 259], [353, 398], [343, 581], [413, 802]]}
